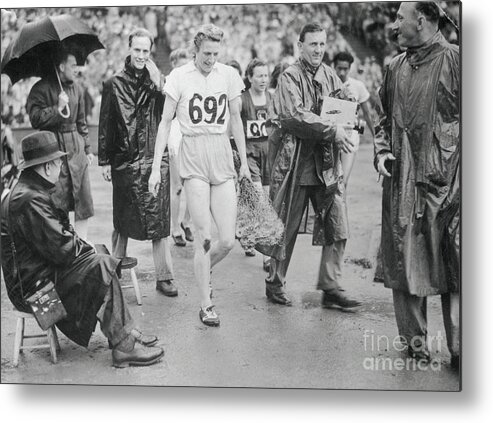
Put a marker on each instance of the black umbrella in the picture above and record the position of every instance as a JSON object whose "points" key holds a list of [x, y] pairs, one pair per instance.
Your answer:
{"points": [[33, 49]]}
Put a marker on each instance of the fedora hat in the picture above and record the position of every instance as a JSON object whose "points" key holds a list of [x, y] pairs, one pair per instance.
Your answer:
{"points": [[39, 147]]}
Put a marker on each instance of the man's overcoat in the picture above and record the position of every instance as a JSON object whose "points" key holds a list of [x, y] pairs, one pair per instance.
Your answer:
{"points": [[300, 129], [131, 109], [47, 247], [421, 201], [73, 189]]}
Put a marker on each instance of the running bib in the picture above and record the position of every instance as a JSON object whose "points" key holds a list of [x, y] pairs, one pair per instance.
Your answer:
{"points": [[210, 110], [256, 129]]}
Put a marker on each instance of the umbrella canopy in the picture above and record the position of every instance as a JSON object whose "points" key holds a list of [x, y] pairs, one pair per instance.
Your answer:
{"points": [[34, 48]]}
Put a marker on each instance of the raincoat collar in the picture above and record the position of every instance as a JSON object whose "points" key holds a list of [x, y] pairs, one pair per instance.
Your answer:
{"points": [[427, 51], [31, 177], [312, 70], [130, 70]]}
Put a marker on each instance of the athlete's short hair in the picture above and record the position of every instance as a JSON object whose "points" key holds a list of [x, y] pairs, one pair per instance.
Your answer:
{"points": [[208, 32], [140, 32], [255, 63], [311, 27]]}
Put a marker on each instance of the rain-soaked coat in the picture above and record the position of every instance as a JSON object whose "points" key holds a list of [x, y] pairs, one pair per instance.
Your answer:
{"points": [[47, 247], [131, 109], [73, 189], [421, 201], [295, 109]]}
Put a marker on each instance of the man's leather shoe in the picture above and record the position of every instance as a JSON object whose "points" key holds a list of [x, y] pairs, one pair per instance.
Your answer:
{"points": [[167, 288], [188, 232], [334, 299], [139, 356], [145, 340], [278, 297], [128, 263], [179, 241], [250, 252]]}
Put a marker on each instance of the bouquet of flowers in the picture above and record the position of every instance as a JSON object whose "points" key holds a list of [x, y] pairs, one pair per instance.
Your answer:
{"points": [[257, 222]]}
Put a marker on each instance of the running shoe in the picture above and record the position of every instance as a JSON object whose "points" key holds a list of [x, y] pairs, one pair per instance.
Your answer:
{"points": [[208, 316]]}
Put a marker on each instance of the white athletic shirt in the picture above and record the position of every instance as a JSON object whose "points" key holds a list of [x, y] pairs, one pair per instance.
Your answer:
{"points": [[203, 101]]}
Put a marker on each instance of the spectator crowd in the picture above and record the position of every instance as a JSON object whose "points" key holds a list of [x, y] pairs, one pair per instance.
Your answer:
{"points": [[268, 32]]}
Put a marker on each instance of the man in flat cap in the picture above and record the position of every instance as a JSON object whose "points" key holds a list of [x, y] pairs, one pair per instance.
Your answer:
{"points": [[46, 247]]}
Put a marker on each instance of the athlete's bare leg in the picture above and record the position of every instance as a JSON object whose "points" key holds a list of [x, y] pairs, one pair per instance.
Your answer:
{"points": [[175, 197], [198, 193], [223, 209]]}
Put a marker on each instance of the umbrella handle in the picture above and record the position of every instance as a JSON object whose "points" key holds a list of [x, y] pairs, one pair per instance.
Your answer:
{"points": [[65, 114]]}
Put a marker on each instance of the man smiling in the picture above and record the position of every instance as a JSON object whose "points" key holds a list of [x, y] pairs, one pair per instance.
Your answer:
{"points": [[417, 150], [131, 107], [303, 148]]}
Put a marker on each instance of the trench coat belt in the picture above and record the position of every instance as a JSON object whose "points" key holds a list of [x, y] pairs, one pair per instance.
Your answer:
{"points": [[67, 127]]}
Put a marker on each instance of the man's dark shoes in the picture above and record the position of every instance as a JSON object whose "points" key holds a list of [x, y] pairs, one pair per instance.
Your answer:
{"points": [[278, 297], [188, 232], [179, 241], [335, 299], [138, 356], [128, 262], [250, 252], [167, 288]]}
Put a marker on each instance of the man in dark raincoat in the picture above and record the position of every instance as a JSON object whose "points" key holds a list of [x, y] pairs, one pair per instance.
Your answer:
{"points": [[417, 150], [46, 106], [38, 243], [131, 108], [305, 150]]}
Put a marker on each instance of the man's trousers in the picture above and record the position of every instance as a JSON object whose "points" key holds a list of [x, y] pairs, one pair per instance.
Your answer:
{"points": [[160, 252], [411, 316], [330, 270]]}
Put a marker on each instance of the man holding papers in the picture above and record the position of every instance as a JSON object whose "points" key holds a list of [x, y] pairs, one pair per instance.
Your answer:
{"points": [[305, 152]]}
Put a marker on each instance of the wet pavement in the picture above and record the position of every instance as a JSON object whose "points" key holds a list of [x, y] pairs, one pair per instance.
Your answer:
{"points": [[258, 344]]}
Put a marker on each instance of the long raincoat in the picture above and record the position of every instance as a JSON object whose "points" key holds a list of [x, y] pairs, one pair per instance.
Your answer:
{"points": [[73, 189], [421, 201], [47, 247], [295, 110], [131, 109]]}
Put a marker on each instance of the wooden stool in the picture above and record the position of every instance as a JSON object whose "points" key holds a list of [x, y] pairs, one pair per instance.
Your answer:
{"points": [[128, 263], [50, 334]]}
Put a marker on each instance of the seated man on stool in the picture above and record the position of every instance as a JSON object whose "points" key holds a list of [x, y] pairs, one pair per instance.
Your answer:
{"points": [[47, 247]]}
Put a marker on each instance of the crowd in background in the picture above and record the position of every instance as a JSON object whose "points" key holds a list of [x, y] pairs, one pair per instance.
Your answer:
{"points": [[268, 32]]}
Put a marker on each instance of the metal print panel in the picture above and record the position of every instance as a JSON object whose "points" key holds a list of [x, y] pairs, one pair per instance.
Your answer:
{"points": [[168, 164]]}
